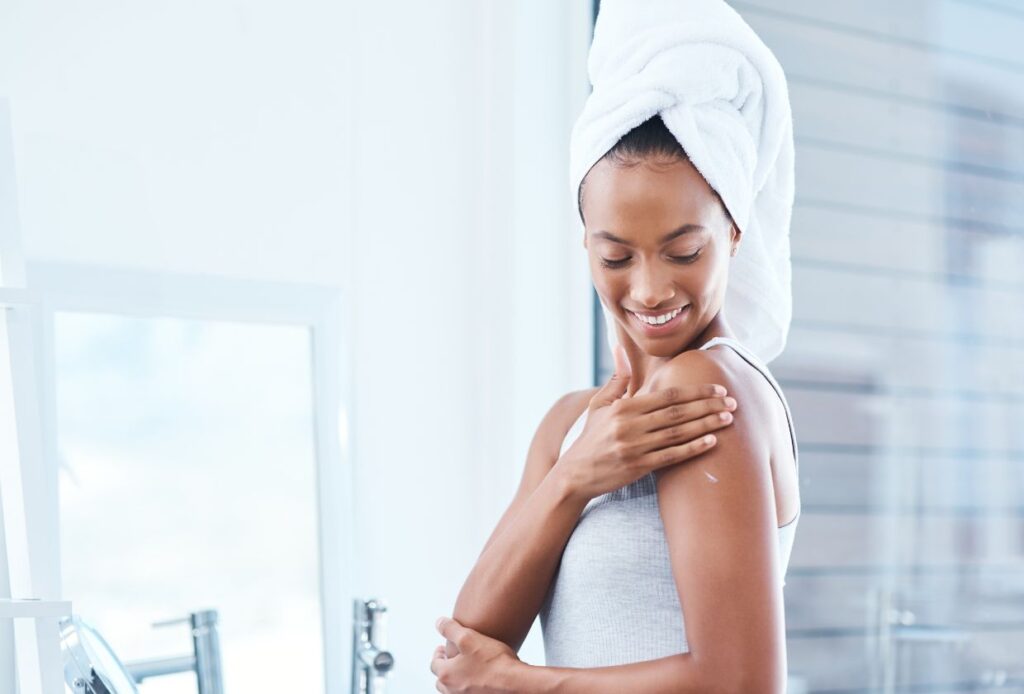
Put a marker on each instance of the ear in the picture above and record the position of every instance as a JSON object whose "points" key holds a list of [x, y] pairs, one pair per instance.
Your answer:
{"points": [[735, 235]]}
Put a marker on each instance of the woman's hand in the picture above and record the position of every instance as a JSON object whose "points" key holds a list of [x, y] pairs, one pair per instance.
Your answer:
{"points": [[481, 665], [626, 438]]}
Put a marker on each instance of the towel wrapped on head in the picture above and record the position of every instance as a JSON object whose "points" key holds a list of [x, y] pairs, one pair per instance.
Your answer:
{"points": [[722, 94]]}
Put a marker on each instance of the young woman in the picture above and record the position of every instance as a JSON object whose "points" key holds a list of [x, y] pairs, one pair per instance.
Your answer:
{"points": [[656, 561]]}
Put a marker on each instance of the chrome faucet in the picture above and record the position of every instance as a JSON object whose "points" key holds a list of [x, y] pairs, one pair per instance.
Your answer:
{"points": [[204, 661], [370, 662]]}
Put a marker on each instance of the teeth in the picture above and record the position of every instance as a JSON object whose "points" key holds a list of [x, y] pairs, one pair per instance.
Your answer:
{"points": [[659, 319]]}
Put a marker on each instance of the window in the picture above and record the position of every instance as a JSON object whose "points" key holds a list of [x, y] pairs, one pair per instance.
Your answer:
{"points": [[188, 482], [903, 366]]}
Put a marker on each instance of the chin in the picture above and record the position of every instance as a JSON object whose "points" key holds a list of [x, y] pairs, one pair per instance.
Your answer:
{"points": [[659, 347]]}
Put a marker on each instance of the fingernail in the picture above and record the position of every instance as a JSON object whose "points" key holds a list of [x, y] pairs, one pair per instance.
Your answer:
{"points": [[437, 624], [719, 390]]}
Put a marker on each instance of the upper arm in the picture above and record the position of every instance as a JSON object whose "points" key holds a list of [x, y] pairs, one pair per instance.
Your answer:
{"points": [[718, 510], [544, 450]]}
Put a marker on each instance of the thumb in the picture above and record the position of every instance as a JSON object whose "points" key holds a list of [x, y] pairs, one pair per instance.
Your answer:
{"points": [[452, 630], [619, 382]]}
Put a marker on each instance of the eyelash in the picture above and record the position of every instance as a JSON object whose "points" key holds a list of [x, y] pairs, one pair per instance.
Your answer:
{"points": [[684, 259]]}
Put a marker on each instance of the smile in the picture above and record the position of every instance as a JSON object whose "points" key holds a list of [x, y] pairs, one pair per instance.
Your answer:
{"points": [[652, 326]]}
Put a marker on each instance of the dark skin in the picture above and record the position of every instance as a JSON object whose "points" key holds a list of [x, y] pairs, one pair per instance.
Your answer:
{"points": [[655, 278], [726, 572]]}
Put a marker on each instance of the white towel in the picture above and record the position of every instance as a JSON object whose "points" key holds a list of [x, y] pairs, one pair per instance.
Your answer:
{"points": [[723, 95]]}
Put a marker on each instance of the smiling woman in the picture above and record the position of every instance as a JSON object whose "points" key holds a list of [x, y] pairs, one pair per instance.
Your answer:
{"points": [[631, 516], [628, 571]]}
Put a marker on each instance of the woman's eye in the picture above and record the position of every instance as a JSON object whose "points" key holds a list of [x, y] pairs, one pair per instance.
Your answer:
{"points": [[685, 259]]}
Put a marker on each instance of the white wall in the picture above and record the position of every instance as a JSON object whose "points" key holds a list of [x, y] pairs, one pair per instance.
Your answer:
{"points": [[414, 154]]}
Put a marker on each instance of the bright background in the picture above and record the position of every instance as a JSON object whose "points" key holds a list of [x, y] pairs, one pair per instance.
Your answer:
{"points": [[413, 157]]}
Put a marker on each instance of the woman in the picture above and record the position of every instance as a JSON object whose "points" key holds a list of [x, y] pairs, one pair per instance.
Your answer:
{"points": [[631, 522]]}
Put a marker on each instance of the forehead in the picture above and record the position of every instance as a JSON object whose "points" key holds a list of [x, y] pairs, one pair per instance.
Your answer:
{"points": [[647, 197]]}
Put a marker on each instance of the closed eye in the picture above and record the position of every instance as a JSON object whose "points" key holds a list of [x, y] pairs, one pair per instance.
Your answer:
{"points": [[684, 259]]}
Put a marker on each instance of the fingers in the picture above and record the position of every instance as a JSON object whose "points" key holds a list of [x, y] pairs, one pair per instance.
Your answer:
{"points": [[436, 659], [676, 414], [452, 630], [688, 431], [437, 664], [617, 385], [680, 453], [622, 365], [673, 395]]}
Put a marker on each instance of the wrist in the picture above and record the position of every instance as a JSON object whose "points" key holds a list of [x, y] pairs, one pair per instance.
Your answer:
{"points": [[533, 679], [564, 482]]}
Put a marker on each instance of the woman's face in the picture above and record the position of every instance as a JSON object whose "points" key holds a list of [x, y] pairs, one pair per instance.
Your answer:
{"points": [[658, 240]]}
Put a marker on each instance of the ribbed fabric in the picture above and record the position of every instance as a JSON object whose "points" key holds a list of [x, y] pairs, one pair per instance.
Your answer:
{"points": [[614, 598]]}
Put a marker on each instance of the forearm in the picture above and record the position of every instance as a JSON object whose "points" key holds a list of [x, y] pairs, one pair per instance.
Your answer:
{"points": [[674, 674], [505, 589]]}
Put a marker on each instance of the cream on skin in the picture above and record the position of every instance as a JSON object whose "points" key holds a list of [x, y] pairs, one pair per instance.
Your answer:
{"points": [[657, 238]]}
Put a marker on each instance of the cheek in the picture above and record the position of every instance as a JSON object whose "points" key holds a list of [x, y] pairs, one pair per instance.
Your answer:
{"points": [[606, 288], [713, 281], [604, 279]]}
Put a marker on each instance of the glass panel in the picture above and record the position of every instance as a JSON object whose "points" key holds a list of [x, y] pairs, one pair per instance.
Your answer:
{"points": [[905, 362], [188, 483]]}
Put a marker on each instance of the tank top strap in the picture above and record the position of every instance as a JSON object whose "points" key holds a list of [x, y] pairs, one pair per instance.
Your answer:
{"points": [[756, 362]]}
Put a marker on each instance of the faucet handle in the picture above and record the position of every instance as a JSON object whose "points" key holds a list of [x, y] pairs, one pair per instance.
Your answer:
{"points": [[171, 622], [367, 610], [200, 618], [380, 661]]}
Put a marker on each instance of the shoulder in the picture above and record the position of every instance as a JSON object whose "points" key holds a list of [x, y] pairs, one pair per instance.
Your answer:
{"points": [[755, 412], [695, 364], [561, 416], [741, 456], [569, 408]]}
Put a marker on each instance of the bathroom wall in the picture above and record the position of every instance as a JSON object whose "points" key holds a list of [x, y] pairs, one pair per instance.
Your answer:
{"points": [[413, 155]]}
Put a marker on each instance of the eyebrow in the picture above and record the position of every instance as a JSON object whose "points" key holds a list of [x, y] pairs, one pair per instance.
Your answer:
{"points": [[685, 229]]}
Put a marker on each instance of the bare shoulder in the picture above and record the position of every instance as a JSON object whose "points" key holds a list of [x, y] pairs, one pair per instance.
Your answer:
{"points": [[564, 413], [742, 453], [757, 405]]}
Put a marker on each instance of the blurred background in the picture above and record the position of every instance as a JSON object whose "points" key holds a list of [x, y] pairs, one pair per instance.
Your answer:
{"points": [[289, 288]]}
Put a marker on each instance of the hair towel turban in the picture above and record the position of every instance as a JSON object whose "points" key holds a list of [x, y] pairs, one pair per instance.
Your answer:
{"points": [[723, 95]]}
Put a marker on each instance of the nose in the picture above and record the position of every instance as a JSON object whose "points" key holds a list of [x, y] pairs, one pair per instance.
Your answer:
{"points": [[651, 286]]}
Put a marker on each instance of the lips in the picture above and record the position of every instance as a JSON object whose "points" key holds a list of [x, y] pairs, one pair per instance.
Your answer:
{"points": [[666, 327]]}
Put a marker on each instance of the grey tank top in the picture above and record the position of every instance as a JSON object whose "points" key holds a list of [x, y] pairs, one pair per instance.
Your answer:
{"points": [[614, 600]]}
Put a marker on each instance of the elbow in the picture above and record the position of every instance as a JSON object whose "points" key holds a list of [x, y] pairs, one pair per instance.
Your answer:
{"points": [[742, 678], [489, 625], [761, 685], [759, 681]]}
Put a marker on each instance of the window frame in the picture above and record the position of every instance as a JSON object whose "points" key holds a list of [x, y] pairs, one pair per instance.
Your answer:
{"points": [[321, 309]]}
